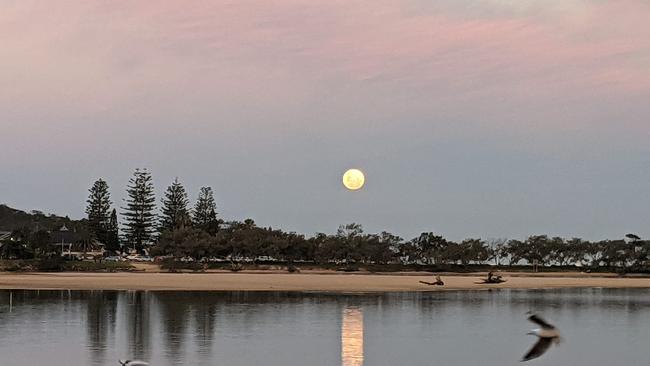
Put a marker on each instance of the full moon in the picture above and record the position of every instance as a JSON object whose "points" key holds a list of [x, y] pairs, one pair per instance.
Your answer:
{"points": [[353, 179]]}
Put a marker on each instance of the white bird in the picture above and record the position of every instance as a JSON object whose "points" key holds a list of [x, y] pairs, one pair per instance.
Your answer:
{"points": [[547, 334], [133, 363]]}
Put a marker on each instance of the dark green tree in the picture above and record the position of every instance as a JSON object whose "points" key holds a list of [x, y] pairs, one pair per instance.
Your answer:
{"points": [[185, 242], [205, 212], [409, 252], [433, 249], [577, 253], [139, 215], [472, 250], [98, 209], [352, 241], [538, 249], [175, 214], [497, 248], [113, 233], [39, 243], [381, 248]]}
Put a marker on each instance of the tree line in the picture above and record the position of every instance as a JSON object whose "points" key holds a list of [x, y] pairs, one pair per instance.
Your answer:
{"points": [[142, 227], [175, 228]]}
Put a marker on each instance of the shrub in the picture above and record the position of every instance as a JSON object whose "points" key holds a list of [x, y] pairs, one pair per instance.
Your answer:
{"points": [[51, 264], [84, 266], [236, 266], [173, 265]]}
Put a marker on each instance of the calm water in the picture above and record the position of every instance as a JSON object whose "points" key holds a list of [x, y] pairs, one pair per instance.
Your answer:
{"points": [[600, 327]]}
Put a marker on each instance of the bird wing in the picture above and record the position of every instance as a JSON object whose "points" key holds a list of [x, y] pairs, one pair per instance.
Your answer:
{"points": [[538, 349], [541, 322]]}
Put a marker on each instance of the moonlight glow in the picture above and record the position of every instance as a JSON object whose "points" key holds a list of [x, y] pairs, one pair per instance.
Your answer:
{"points": [[353, 179]]}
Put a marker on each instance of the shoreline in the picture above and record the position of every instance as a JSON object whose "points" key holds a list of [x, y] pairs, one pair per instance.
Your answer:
{"points": [[304, 282]]}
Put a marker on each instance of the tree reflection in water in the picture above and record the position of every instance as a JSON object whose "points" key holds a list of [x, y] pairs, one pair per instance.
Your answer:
{"points": [[138, 324]]}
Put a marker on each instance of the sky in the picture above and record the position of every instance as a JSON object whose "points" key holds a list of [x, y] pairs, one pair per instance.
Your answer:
{"points": [[492, 119]]}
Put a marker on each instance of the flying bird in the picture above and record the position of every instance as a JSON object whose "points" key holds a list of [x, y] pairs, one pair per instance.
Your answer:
{"points": [[547, 334], [133, 363]]}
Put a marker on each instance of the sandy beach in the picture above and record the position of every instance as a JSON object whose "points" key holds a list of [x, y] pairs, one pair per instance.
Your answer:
{"points": [[331, 282]]}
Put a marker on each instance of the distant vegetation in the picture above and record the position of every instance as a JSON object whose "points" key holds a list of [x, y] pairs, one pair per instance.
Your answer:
{"points": [[186, 236], [12, 219]]}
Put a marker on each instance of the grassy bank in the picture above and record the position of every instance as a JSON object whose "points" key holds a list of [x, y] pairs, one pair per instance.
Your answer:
{"points": [[172, 265]]}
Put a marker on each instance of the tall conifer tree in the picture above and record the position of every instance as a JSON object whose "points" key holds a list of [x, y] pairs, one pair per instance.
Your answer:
{"points": [[139, 216], [205, 212], [113, 233], [175, 214], [98, 209]]}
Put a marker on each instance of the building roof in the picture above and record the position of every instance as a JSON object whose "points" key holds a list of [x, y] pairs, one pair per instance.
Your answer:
{"points": [[64, 237], [5, 235]]}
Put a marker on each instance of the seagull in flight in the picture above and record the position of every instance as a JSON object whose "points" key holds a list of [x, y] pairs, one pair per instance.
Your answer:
{"points": [[133, 363], [547, 334]]}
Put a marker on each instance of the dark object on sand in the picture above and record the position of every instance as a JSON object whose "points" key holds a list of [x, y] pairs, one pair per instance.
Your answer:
{"points": [[292, 269], [492, 278], [546, 334], [437, 283], [235, 266], [133, 363]]}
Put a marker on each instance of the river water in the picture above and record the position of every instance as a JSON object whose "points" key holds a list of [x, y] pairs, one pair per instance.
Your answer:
{"points": [[599, 326]]}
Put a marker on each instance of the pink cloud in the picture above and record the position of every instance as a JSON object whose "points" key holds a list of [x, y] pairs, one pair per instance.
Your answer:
{"points": [[95, 56]]}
